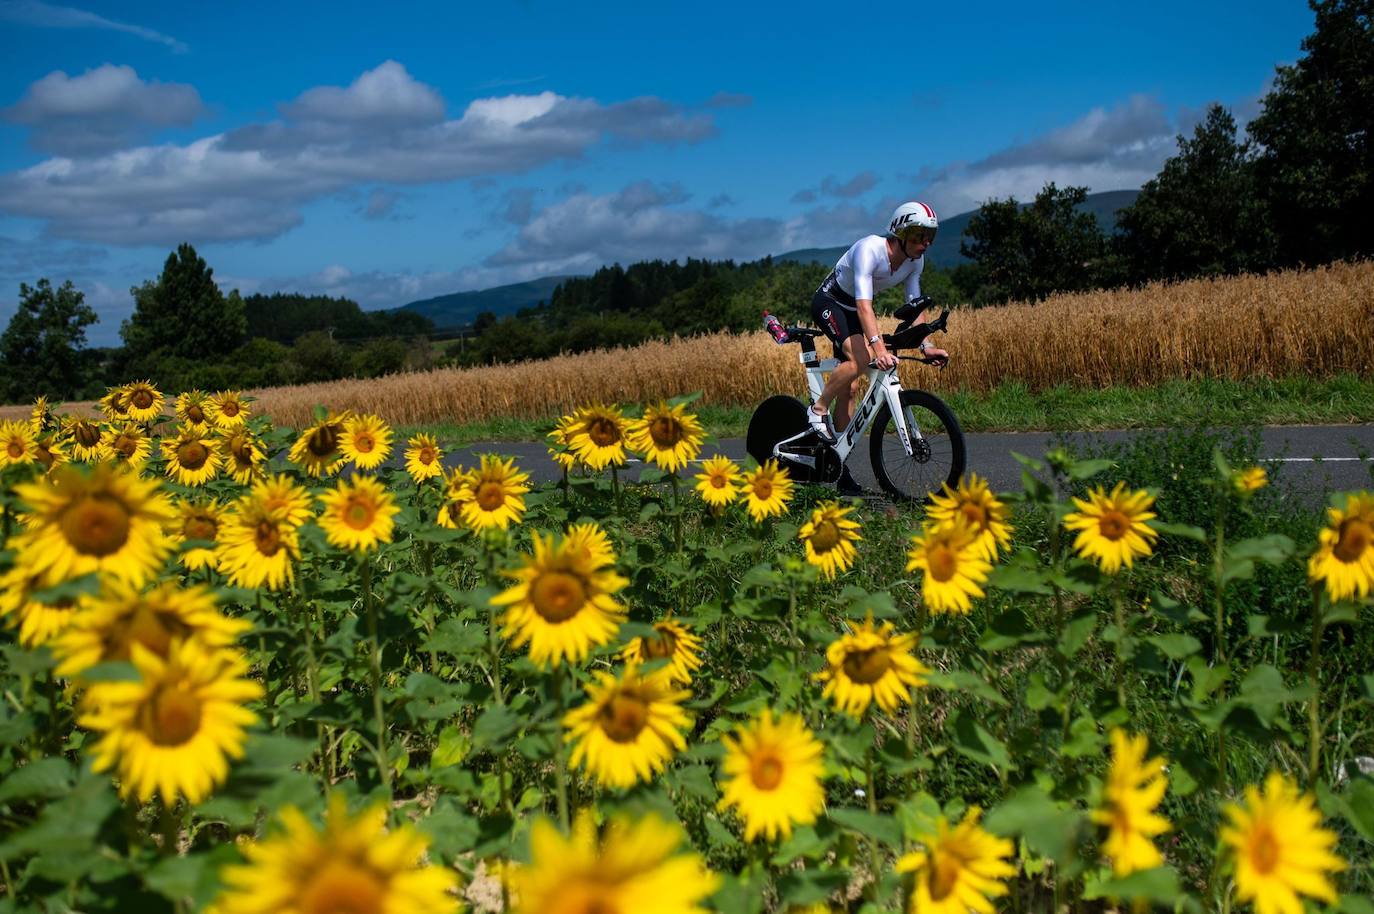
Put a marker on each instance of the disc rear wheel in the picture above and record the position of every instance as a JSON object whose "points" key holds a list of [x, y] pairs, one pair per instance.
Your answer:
{"points": [[937, 442]]}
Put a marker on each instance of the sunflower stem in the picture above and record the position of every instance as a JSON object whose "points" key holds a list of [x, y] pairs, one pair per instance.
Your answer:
{"points": [[1314, 724], [560, 751], [873, 810], [615, 486], [677, 512], [427, 564], [1120, 611], [171, 832], [1219, 634], [383, 756]]}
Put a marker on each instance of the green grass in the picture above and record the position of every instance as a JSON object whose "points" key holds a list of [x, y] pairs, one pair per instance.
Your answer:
{"points": [[1013, 407]]}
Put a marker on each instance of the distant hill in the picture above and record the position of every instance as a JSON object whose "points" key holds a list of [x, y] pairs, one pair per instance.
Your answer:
{"points": [[946, 251], [459, 309]]}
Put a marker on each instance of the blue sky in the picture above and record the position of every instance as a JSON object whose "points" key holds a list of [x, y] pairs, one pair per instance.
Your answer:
{"points": [[389, 154]]}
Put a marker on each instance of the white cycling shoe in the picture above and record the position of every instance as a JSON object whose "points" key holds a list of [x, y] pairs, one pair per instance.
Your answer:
{"points": [[821, 424]]}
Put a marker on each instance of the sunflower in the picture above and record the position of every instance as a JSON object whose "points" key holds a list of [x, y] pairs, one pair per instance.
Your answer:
{"points": [[172, 732], [767, 490], [354, 864], [16, 443], [636, 867], [1134, 787], [84, 436], [126, 443], [830, 537], [106, 627], [871, 664], [1344, 559], [258, 545], [358, 514], [498, 494], [589, 543], [115, 404], [559, 447], [628, 728], [48, 451], [668, 436], [1112, 528], [1279, 848], [193, 408], [280, 495], [563, 603], [958, 869], [718, 481], [1249, 480], [317, 449], [142, 402], [41, 417], [107, 520], [773, 776], [198, 520], [985, 514], [192, 458], [241, 454], [366, 441], [952, 563], [597, 436], [456, 494], [424, 458], [38, 622], [672, 642], [227, 410]]}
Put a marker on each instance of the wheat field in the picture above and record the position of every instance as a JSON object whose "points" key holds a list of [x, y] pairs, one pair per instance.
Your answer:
{"points": [[1315, 323]]}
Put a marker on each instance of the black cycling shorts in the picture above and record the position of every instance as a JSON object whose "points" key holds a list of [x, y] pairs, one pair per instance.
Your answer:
{"points": [[838, 322]]}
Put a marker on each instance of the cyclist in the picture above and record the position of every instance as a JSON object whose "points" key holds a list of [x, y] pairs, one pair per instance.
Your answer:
{"points": [[843, 308]]}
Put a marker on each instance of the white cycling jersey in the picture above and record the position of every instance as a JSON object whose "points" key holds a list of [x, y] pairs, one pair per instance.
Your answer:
{"points": [[864, 270]]}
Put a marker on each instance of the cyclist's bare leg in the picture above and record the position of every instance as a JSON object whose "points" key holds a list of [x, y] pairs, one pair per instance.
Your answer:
{"points": [[844, 403], [840, 383]]}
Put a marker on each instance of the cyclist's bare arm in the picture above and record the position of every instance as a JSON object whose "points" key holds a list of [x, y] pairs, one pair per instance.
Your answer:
{"points": [[877, 352]]}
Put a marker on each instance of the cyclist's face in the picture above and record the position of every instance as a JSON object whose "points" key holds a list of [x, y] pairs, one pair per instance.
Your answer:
{"points": [[916, 247]]}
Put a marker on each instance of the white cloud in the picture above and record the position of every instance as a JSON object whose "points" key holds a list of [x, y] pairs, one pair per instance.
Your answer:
{"points": [[250, 182], [101, 110], [50, 15], [387, 94]]}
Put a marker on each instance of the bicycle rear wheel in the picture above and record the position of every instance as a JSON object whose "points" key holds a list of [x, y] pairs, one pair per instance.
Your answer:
{"points": [[938, 455]]}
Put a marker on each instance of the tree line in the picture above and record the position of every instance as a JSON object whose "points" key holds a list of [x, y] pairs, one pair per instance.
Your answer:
{"points": [[1294, 188]]}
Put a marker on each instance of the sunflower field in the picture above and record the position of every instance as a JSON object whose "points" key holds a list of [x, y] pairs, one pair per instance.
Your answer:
{"points": [[323, 671]]}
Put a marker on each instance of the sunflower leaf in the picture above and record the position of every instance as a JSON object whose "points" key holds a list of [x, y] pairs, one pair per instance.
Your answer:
{"points": [[1186, 531], [870, 824], [1086, 469], [1050, 830], [1159, 885], [972, 741]]}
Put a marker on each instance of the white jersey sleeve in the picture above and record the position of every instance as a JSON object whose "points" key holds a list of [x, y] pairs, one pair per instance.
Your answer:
{"points": [[864, 263]]}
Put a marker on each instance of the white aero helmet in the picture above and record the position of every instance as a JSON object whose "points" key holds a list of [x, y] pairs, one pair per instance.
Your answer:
{"points": [[913, 221]]}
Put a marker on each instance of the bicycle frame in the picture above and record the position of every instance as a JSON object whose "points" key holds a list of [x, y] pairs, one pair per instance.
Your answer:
{"points": [[882, 386]]}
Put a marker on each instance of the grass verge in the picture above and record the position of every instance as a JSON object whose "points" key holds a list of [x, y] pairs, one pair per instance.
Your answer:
{"points": [[1013, 407]]}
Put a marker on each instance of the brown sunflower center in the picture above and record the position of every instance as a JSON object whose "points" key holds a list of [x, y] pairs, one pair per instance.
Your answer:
{"points": [[1264, 850], [200, 527], [719, 480], [192, 455], [195, 413], [364, 443], [267, 538], [661, 645], [603, 432], [490, 495], [96, 525], [974, 514], [558, 595], [942, 562], [241, 449], [359, 513], [229, 409], [1114, 525], [867, 666], [172, 716], [766, 771], [142, 398], [623, 717], [86, 434], [343, 887], [944, 875], [426, 455], [15, 449], [825, 537], [44, 455], [763, 489], [126, 446], [1355, 539], [148, 627], [323, 441], [666, 432]]}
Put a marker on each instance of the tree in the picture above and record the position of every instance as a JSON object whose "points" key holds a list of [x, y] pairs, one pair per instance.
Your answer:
{"points": [[1029, 252], [1201, 216], [1316, 165], [182, 314], [41, 347]]}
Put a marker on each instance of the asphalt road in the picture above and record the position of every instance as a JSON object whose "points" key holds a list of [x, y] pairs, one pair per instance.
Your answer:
{"points": [[1313, 461]]}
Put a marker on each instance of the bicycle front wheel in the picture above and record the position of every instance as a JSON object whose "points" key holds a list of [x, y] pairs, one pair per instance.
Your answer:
{"points": [[937, 444]]}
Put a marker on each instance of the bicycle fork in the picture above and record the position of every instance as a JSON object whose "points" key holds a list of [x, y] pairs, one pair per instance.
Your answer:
{"points": [[902, 417]]}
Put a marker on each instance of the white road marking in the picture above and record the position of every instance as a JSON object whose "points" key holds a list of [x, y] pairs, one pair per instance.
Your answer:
{"points": [[1313, 459]]}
